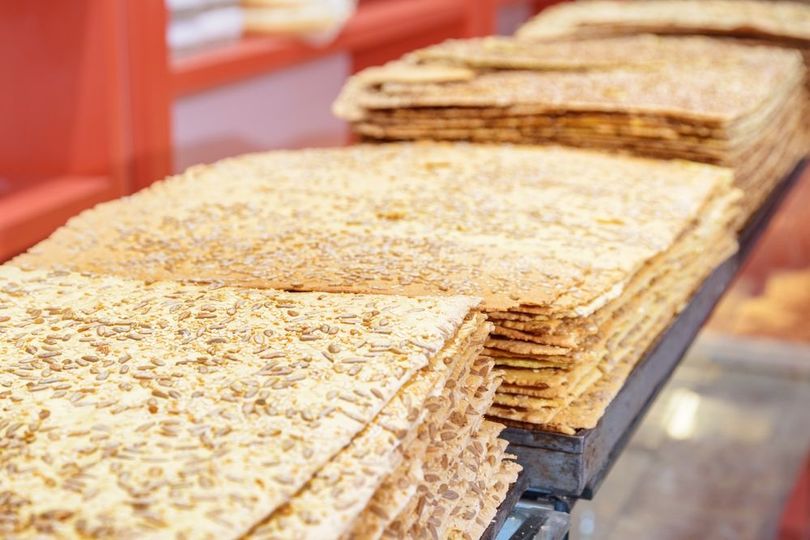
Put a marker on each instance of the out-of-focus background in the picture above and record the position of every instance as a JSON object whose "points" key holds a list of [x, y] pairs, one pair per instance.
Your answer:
{"points": [[100, 98]]}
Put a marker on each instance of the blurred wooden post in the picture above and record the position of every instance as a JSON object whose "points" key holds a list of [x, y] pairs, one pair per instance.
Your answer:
{"points": [[147, 62]]}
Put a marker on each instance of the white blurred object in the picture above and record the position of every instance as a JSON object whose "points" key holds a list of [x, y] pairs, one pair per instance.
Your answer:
{"points": [[317, 21], [176, 6], [199, 23], [180, 7]]}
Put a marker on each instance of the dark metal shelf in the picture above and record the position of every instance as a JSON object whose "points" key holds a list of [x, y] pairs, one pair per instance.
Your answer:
{"points": [[521, 518], [562, 468]]}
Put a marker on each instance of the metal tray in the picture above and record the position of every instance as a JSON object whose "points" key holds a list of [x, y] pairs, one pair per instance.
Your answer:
{"points": [[573, 466], [505, 509], [521, 518]]}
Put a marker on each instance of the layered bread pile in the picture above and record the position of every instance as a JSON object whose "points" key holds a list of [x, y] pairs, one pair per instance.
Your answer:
{"points": [[581, 258], [186, 411], [694, 98], [783, 24]]}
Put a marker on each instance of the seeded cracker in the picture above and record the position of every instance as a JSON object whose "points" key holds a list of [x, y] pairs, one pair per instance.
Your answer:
{"points": [[390, 502], [571, 244], [708, 100], [165, 409], [342, 489], [393, 227]]}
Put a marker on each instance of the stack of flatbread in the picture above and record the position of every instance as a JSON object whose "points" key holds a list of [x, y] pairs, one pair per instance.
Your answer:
{"points": [[783, 24], [133, 410], [694, 98], [581, 258]]}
